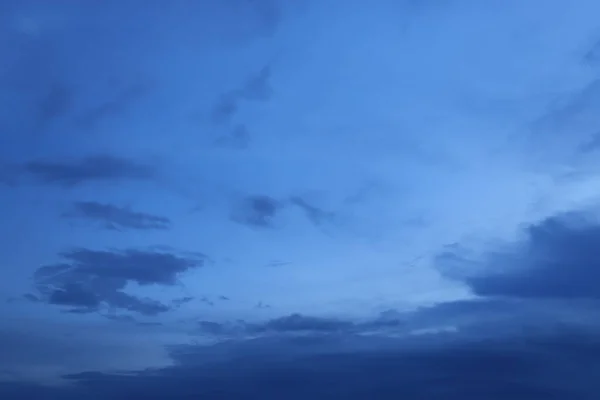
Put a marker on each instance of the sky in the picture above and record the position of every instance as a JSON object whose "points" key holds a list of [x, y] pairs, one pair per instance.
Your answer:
{"points": [[267, 199]]}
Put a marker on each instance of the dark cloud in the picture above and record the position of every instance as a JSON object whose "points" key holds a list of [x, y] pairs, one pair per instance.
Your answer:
{"points": [[91, 280], [95, 168], [557, 259], [117, 218], [562, 365], [257, 211]]}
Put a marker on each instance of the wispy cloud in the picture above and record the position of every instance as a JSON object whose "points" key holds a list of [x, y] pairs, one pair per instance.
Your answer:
{"points": [[88, 169], [256, 88], [257, 211], [113, 217], [116, 106]]}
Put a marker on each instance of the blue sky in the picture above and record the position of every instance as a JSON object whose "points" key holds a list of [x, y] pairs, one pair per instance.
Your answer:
{"points": [[190, 175]]}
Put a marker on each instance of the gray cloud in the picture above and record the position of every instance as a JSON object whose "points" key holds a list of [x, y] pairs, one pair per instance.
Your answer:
{"points": [[91, 280], [557, 259], [117, 218], [94, 168]]}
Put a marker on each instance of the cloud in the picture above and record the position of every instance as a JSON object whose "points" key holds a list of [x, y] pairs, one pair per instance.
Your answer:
{"points": [[92, 280], [302, 323], [557, 258], [257, 211], [54, 104], [593, 55], [314, 214], [87, 169], [117, 218], [115, 106], [557, 366], [238, 138], [291, 324], [256, 88], [261, 211]]}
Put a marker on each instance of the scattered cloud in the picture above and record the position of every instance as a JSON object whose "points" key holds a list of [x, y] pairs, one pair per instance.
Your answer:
{"points": [[117, 218], [69, 173], [92, 280]]}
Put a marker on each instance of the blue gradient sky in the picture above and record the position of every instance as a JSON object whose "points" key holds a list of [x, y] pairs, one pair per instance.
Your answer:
{"points": [[176, 172]]}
